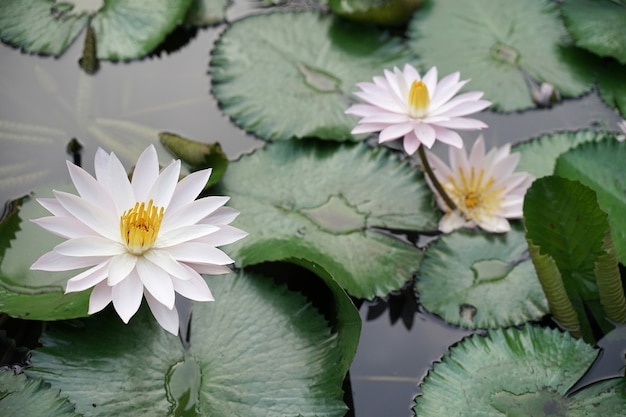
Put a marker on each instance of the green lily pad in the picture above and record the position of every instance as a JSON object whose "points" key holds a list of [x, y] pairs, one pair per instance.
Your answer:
{"points": [[597, 25], [600, 166], [124, 29], [31, 398], [506, 44], [612, 86], [538, 156], [381, 12], [326, 203], [476, 279], [289, 74], [517, 373], [35, 295], [206, 12], [259, 349]]}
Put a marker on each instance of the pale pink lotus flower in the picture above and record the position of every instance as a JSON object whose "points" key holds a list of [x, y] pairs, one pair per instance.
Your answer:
{"points": [[148, 237], [483, 186], [422, 110]]}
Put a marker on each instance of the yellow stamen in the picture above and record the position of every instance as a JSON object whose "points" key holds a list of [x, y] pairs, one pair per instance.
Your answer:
{"points": [[474, 196], [418, 99], [140, 226]]}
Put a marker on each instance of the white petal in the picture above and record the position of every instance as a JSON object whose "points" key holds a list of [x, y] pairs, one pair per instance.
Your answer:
{"points": [[167, 318], [430, 79], [90, 189], [163, 188], [165, 261], [121, 190], [411, 143], [92, 216], [189, 188], [463, 123], [87, 279], [54, 206], [53, 261], [194, 289], [192, 213], [446, 89], [120, 267], [426, 134], [184, 234], [410, 73], [494, 224], [221, 216], [225, 236], [101, 166], [67, 227], [145, 173], [364, 110], [451, 221], [456, 101], [127, 296], [100, 297], [394, 132], [90, 246], [199, 253], [466, 108], [368, 128], [157, 282], [477, 153], [210, 269], [386, 118], [449, 137]]}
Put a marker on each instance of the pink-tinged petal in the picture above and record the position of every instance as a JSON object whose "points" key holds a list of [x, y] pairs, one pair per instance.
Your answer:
{"points": [[225, 236], [192, 213], [221, 216], [440, 169], [451, 221], [145, 173], [410, 74], [464, 109], [127, 296], [121, 190], [411, 143], [368, 128], [477, 153], [87, 279], [457, 101], [90, 189], [163, 189], [188, 189], [194, 289], [381, 100], [199, 253], [101, 166], [184, 234], [397, 84], [449, 137], [394, 132], [513, 207], [100, 297], [446, 89], [165, 261], [426, 134], [54, 207], [157, 282], [494, 224], [53, 261], [120, 267], [430, 79], [94, 217], [387, 118], [66, 227], [463, 124], [210, 269], [364, 110], [167, 318], [90, 246]]}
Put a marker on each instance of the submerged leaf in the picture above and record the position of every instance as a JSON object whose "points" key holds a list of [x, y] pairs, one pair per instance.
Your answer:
{"points": [[381, 12], [259, 349], [516, 373], [505, 43], [285, 75]]}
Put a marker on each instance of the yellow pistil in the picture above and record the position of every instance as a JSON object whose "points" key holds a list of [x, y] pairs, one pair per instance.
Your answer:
{"points": [[418, 100], [474, 196], [140, 226]]}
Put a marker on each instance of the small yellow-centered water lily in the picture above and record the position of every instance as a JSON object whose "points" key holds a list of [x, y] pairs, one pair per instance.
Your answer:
{"points": [[484, 187], [149, 237], [402, 104]]}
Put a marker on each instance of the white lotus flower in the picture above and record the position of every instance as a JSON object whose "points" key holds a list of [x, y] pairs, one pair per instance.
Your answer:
{"points": [[146, 237], [622, 126], [483, 186], [422, 110]]}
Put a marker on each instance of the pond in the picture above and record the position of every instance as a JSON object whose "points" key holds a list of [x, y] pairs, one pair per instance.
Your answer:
{"points": [[46, 102]]}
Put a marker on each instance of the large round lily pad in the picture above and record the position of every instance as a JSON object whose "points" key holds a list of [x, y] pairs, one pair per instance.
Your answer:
{"points": [[289, 74], [480, 280], [501, 45], [326, 203], [517, 373], [259, 349]]}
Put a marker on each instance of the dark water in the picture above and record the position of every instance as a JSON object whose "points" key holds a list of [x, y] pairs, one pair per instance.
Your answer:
{"points": [[125, 105]]}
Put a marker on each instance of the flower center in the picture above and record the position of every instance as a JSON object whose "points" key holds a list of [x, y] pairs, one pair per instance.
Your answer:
{"points": [[418, 100], [475, 197], [139, 227]]}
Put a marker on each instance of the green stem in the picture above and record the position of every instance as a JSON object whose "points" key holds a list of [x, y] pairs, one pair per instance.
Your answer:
{"points": [[434, 180]]}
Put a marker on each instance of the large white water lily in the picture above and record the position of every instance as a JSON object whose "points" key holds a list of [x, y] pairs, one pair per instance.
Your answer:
{"points": [[148, 237], [422, 110], [484, 187]]}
